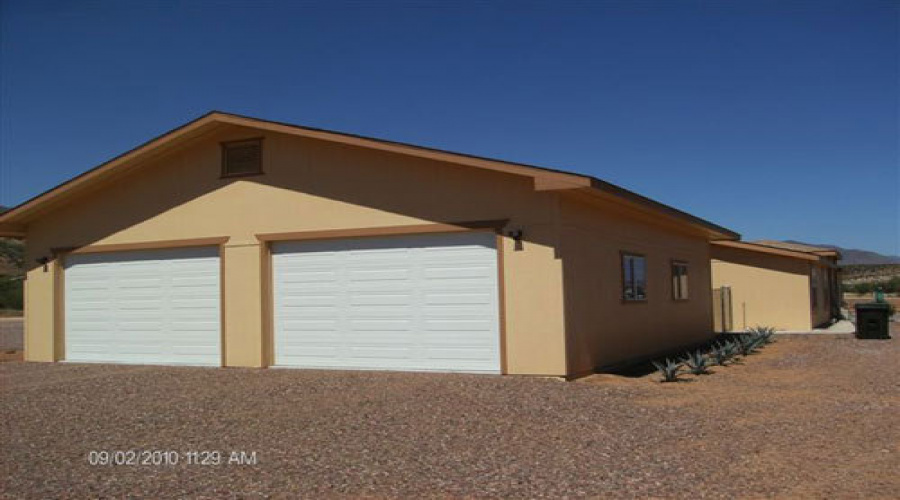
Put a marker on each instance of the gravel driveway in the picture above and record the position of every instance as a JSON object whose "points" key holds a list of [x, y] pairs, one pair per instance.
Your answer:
{"points": [[806, 417], [11, 334]]}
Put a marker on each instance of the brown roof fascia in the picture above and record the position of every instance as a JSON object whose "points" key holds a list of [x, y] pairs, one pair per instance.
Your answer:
{"points": [[742, 245]]}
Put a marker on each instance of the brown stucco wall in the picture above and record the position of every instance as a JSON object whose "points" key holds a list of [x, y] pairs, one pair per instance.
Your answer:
{"points": [[604, 330], [823, 313], [308, 185], [767, 290]]}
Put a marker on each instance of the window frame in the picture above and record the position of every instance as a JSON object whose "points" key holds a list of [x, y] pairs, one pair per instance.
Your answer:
{"points": [[625, 300], [676, 285], [224, 152]]}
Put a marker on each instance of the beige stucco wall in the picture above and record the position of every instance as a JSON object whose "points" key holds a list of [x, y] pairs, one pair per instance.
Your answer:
{"points": [[308, 185], [604, 330], [766, 289]]}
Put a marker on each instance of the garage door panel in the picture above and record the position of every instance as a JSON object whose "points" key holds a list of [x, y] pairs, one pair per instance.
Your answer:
{"points": [[458, 299], [363, 287], [386, 300], [146, 307], [201, 282], [388, 326], [475, 339], [456, 325], [193, 303], [377, 312], [312, 353], [476, 274], [421, 302]]}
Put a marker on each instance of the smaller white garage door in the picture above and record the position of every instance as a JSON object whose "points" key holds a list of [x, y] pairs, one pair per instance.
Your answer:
{"points": [[144, 307], [422, 302]]}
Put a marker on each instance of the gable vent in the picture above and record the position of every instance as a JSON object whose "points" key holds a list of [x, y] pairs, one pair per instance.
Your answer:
{"points": [[242, 158]]}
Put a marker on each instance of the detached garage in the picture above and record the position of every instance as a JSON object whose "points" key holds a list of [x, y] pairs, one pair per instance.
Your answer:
{"points": [[234, 241]]}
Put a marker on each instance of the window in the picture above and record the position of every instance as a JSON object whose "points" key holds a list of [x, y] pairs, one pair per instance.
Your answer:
{"points": [[679, 280], [634, 277], [241, 158]]}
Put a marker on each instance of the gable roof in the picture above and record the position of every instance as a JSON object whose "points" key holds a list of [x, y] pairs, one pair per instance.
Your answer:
{"points": [[13, 222]]}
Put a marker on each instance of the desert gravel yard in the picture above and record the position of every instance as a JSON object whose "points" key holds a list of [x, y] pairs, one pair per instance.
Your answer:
{"points": [[807, 417]]}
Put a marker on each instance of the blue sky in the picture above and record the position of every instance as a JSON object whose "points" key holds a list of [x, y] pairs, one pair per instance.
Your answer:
{"points": [[778, 119]]}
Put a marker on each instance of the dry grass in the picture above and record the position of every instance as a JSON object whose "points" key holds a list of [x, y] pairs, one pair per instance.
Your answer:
{"points": [[806, 417]]}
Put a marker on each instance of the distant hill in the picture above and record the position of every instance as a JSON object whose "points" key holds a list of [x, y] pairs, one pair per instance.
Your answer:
{"points": [[856, 257], [11, 253]]}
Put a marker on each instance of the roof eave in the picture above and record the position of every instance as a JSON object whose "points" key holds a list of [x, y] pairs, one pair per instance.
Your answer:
{"points": [[8, 230], [715, 232], [753, 247]]}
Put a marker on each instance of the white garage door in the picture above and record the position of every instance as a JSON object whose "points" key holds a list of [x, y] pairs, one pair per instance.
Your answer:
{"points": [[144, 307], [423, 302]]}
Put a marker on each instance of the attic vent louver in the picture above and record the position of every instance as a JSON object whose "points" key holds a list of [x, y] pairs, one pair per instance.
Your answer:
{"points": [[241, 158]]}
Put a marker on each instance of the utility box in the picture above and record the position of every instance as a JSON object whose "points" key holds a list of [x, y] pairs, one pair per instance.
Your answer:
{"points": [[873, 320]]}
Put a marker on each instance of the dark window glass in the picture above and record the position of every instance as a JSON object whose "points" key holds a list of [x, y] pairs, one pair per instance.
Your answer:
{"points": [[634, 273], [679, 280]]}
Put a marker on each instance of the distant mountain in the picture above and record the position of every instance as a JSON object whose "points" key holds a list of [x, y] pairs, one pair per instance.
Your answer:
{"points": [[855, 257]]}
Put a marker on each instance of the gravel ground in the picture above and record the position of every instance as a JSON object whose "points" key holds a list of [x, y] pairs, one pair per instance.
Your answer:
{"points": [[806, 417], [10, 334]]}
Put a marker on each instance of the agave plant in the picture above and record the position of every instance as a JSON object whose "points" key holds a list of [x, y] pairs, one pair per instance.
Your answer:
{"points": [[669, 370], [739, 345], [746, 344], [697, 363], [731, 348], [766, 334], [720, 354]]}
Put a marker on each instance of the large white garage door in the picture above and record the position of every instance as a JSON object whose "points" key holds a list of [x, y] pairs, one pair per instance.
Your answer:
{"points": [[144, 307], [423, 302]]}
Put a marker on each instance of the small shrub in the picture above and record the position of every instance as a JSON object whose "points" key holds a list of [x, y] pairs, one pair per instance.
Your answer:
{"points": [[669, 370], [697, 363]]}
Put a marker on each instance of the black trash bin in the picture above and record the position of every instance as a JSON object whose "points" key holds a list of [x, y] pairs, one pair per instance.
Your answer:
{"points": [[873, 320]]}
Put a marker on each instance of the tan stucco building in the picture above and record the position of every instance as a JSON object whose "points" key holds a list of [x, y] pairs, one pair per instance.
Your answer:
{"points": [[234, 241], [788, 286]]}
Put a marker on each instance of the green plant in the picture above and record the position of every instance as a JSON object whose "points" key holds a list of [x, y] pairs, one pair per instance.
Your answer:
{"points": [[764, 334], [742, 345], [10, 293], [754, 343], [669, 370], [697, 363], [732, 348], [720, 354]]}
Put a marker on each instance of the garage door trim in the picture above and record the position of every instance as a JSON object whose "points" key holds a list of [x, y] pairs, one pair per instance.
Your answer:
{"points": [[59, 281], [269, 239]]}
